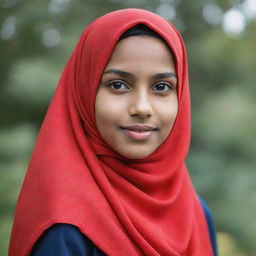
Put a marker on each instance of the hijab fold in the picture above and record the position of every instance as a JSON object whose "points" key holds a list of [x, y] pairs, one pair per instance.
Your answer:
{"points": [[126, 207]]}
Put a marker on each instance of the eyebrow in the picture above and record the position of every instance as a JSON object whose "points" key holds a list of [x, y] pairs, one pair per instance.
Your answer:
{"points": [[165, 75], [128, 74], [119, 72]]}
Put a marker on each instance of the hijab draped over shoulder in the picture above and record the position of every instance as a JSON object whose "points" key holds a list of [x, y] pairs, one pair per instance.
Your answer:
{"points": [[126, 207]]}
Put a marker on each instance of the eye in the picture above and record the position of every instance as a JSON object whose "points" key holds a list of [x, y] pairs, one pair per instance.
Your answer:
{"points": [[118, 85], [162, 87]]}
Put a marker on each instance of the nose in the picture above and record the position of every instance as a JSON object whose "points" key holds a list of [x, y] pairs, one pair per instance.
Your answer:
{"points": [[141, 105]]}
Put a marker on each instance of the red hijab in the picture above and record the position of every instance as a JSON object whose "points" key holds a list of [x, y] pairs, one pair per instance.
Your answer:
{"points": [[126, 207]]}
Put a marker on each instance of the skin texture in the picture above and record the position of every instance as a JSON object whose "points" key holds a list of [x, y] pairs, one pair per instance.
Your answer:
{"points": [[136, 103]]}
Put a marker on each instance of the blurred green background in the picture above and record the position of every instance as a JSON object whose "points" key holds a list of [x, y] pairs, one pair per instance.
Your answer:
{"points": [[37, 38]]}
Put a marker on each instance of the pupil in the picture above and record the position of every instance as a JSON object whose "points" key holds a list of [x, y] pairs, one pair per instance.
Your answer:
{"points": [[117, 85], [160, 86]]}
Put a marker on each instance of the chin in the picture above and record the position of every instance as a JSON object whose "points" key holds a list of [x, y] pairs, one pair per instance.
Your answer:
{"points": [[135, 155]]}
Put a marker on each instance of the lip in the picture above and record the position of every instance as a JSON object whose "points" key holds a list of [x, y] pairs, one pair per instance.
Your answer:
{"points": [[138, 131], [139, 127]]}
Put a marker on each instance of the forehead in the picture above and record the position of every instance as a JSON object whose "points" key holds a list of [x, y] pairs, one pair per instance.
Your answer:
{"points": [[135, 49]]}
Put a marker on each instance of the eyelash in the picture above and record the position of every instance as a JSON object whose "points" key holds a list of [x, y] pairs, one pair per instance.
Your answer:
{"points": [[111, 83]]}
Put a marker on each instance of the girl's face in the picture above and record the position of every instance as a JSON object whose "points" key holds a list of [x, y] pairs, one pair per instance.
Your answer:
{"points": [[136, 103]]}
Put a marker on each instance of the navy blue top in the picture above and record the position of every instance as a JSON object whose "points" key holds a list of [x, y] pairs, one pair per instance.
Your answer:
{"points": [[66, 240]]}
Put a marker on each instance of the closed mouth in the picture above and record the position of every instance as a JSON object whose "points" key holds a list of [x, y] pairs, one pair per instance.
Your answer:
{"points": [[139, 132], [139, 128]]}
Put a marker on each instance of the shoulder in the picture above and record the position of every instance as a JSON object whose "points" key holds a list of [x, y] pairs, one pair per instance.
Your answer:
{"points": [[210, 223], [64, 240]]}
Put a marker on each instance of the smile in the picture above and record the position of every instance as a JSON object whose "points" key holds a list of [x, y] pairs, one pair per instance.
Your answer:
{"points": [[139, 132]]}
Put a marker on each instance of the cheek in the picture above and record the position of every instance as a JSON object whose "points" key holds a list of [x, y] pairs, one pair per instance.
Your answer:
{"points": [[171, 115], [167, 114], [168, 109], [108, 111]]}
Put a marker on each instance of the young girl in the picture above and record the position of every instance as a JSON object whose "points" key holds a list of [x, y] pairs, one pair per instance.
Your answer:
{"points": [[107, 175]]}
